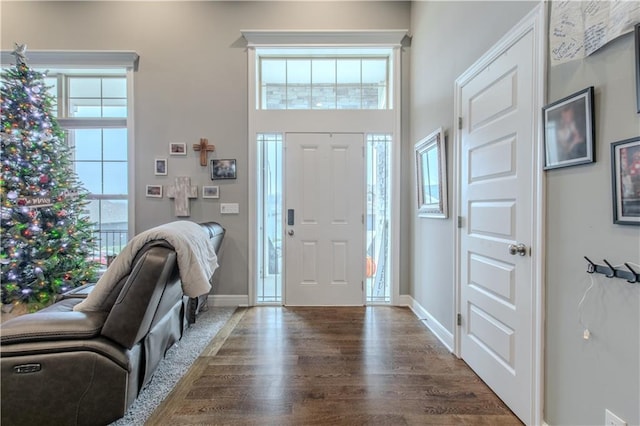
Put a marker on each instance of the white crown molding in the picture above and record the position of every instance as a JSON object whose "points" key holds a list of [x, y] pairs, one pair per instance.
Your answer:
{"points": [[262, 38], [75, 59]]}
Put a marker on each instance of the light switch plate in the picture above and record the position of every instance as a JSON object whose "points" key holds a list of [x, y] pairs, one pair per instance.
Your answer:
{"points": [[229, 208]]}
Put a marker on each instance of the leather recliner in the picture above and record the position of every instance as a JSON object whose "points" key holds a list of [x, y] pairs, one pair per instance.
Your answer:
{"points": [[60, 366]]}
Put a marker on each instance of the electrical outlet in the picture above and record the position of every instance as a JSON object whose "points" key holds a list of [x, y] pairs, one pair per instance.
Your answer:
{"points": [[611, 419]]}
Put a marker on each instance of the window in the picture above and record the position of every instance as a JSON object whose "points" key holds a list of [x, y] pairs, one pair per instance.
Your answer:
{"points": [[92, 108], [269, 289], [323, 81]]}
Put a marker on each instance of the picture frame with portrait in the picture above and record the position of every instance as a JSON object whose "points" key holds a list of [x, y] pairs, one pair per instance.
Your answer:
{"points": [[625, 179], [154, 191], [569, 131], [177, 148], [210, 191], [223, 169], [160, 166]]}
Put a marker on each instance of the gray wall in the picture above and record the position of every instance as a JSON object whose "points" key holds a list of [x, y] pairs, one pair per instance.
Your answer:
{"points": [[583, 377], [448, 37], [191, 83]]}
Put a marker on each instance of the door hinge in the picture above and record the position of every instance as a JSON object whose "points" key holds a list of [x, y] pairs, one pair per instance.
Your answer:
{"points": [[362, 285], [459, 221], [459, 123], [459, 319]]}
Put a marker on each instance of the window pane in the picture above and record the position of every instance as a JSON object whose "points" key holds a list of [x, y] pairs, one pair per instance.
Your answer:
{"points": [[93, 211], [115, 178], [84, 107], [348, 71], [324, 96], [114, 214], [273, 80], [114, 88], [90, 174], [299, 84], [299, 97], [115, 144], [299, 71], [82, 87], [374, 71], [323, 71], [274, 71], [51, 84], [87, 143], [114, 107], [373, 97], [349, 96]]}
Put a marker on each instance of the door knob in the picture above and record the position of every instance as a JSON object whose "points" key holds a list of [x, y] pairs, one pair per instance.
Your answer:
{"points": [[290, 232], [520, 249]]}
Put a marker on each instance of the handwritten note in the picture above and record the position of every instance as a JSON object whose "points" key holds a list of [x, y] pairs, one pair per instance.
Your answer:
{"points": [[579, 28]]}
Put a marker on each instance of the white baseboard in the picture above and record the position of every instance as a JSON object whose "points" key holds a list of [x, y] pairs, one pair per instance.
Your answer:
{"points": [[444, 335], [228, 300]]}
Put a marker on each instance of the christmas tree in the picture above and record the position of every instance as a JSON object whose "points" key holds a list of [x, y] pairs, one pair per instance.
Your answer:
{"points": [[46, 238]]}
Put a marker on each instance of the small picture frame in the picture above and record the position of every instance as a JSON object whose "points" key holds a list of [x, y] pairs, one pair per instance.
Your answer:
{"points": [[160, 166], [154, 191], [223, 169], [625, 179], [569, 133], [431, 175], [210, 191], [177, 148]]}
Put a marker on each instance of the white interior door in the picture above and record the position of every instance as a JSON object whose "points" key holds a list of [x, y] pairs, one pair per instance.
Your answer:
{"points": [[324, 219], [497, 200]]}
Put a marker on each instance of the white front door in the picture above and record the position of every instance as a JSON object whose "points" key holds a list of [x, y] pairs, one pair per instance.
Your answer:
{"points": [[497, 204], [324, 219]]}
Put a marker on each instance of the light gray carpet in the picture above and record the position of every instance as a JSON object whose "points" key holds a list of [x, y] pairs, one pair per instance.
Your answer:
{"points": [[176, 363]]}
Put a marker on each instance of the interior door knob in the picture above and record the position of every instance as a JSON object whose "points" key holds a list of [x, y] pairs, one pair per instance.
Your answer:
{"points": [[290, 232], [520, 249]]}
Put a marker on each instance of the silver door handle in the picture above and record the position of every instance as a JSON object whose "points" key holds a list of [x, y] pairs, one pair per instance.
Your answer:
{"points": [[520, 249], [290, 232]]}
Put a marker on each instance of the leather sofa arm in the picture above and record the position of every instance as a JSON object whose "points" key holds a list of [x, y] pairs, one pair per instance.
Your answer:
{"points": [[48, 326]]}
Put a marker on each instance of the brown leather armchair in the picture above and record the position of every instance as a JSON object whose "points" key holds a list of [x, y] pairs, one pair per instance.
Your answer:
{"points": [[60, 366]]}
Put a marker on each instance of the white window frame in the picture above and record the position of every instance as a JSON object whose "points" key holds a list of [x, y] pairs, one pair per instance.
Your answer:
{"points": [[94, 60]]}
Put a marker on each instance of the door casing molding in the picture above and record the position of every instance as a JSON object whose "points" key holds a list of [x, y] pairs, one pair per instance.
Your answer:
{"points": [[388, 121]]}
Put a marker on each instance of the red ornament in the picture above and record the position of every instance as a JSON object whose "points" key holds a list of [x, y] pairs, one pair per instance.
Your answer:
{"points": [[44, 179]]}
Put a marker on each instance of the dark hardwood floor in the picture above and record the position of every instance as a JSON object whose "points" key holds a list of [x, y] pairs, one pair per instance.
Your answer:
{"points": [[330, 366]]}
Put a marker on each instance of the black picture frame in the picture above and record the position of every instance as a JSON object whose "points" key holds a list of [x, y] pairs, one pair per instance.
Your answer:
{"points": [[625, 180], [637, 43], [223, 169], [569, 130]]}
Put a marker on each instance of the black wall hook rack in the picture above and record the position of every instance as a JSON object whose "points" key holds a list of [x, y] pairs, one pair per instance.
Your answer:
{"points": [[612, 272]]}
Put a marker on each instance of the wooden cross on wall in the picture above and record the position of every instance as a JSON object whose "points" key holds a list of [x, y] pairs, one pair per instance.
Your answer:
{"points": [[204, 149], [181, 192]]}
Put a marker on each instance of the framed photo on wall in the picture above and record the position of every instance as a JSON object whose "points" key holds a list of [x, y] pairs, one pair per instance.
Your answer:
{"points": [[160, 166], [177, 148], [569, 133], [223, 169], [210, 192], [154, 191], [625, 178]]}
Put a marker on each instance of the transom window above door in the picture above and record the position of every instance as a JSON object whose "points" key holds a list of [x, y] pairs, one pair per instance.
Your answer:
{"points": [[306, 79]]}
